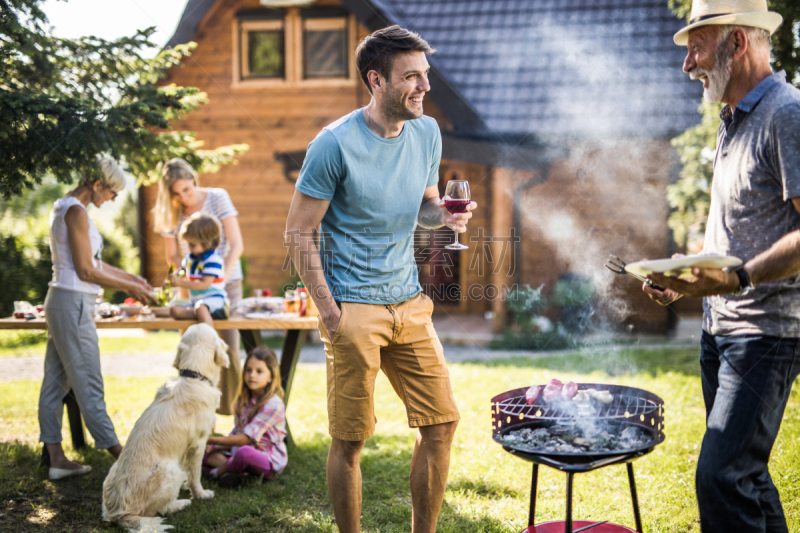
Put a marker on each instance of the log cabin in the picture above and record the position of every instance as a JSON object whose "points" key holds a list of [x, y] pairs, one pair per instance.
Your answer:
{"points": [[558, 112]]}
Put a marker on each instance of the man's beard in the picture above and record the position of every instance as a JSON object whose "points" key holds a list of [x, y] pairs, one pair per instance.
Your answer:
{"points": [[393, 108], [719, 76]]}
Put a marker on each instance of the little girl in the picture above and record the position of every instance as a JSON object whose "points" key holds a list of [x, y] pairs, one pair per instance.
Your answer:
{"points": [[256, 444]]}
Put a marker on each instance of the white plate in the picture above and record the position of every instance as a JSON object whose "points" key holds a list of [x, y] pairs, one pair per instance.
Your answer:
{"points": [[682, 265]]}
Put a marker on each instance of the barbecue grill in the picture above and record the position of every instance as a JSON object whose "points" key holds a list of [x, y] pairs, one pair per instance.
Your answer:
{"points": [[630, 407]]}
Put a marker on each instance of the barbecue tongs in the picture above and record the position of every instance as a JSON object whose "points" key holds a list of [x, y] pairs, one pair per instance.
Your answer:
{"points": [[617, 265]]}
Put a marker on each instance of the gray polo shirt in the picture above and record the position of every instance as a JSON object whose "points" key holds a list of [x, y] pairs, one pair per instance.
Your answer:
{"points": [[756, 174]]}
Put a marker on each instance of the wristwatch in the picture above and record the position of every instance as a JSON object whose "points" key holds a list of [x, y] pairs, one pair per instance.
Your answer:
{"points": [[745, 283]]}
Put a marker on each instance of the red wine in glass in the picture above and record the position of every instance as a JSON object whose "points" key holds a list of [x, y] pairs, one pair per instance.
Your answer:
{"points": [[456, 200], [456, 206]]}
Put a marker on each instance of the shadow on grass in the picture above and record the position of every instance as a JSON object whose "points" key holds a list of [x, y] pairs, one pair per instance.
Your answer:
{"points": [[295, 501], [612, 362]]}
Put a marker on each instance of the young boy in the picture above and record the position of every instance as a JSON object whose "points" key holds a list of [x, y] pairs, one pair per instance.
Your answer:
{"points": [[204, 273]]}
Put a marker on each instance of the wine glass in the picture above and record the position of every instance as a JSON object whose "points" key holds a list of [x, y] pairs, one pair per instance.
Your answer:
{"points": [[456, 200]]}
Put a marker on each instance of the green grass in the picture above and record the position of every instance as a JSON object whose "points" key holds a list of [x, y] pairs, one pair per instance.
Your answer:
{"points": [[488, 488], [17, 343]]}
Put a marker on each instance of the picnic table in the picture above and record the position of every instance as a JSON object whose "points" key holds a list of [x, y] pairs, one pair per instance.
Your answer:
{"points": [[249, 329]]}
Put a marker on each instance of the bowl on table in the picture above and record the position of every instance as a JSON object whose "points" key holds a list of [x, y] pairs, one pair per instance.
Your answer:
{"points": [[131, 310]]}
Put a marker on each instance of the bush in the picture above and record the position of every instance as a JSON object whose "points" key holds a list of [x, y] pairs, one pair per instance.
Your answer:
{"points": [[523, 329], [573, 291]]}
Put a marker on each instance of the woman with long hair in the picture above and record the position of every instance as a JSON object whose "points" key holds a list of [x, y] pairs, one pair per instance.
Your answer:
{"points": [[179, 197]]}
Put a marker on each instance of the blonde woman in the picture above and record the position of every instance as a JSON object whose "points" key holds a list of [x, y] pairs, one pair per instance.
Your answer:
{"points": [[72, 359], [179, 197]]}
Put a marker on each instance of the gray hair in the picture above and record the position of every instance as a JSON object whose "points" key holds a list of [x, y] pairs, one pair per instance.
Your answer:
{"points": [[113, 175], [758, 38]]}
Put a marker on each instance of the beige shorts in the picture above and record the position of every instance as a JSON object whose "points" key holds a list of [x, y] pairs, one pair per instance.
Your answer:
{"points": [[398, 339]]}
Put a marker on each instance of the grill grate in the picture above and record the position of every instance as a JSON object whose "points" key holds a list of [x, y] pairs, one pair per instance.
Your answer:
{"points": [[623, 406]]}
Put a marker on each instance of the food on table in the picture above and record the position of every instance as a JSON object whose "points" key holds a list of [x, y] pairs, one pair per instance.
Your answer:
{"points": [[265, 305], [161, 296], [107, 310], [569, 390], [552, 390], [532, 393]]}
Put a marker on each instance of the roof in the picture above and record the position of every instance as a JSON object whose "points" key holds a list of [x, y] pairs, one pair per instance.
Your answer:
{"points": [[536, 71], [555, 68]]}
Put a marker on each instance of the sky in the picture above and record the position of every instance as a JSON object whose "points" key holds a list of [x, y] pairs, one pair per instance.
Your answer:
{"points": [[112, 19]]}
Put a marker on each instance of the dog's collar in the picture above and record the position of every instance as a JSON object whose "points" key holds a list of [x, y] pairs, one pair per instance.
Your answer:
{"points": [[186, 373]]}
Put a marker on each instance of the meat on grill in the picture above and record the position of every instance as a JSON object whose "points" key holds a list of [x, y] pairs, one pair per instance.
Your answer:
{"points": [[532, 393], [552, 390], [569, 390]]}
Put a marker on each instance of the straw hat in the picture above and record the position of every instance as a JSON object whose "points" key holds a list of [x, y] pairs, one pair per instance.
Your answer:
{"points": [[734, 12]]}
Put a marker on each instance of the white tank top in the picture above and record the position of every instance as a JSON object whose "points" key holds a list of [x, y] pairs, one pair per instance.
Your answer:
{"points": [[64, 274]]}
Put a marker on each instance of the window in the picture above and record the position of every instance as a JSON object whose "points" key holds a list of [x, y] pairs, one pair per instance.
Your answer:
{"points": [[294, 47], [263, 50], [325, 52]]}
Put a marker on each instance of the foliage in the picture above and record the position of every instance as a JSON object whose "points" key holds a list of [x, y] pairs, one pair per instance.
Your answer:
{"points": [[573, 292], [524, 330], [63, 102], [127, 218], [689, 197], [523, 303]]}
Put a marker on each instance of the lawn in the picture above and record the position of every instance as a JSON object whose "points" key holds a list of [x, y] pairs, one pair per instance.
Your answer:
{"points": [[488, 488], [17, 343]]}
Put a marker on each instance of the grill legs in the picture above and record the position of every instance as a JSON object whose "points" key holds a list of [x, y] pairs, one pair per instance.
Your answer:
{"points": [[634, 498], [534, 479], [570, 479], [568, 524]]}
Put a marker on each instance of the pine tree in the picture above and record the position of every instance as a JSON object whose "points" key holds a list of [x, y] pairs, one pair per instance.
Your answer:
{"points": [[65, 101]]}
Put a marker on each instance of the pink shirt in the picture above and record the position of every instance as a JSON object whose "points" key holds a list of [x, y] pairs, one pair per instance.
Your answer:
{"points": [[267, 430]]}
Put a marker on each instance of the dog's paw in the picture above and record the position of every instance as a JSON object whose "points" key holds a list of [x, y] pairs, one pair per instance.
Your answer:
{"points": [[178, 505], [205, 494]]}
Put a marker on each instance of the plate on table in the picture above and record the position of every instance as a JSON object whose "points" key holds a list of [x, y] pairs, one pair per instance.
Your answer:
{"points": [[131, 310], [682, 266]]}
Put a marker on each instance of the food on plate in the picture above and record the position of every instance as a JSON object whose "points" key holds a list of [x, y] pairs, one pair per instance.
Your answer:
{"points": [[532, 393], [569, 390], [263, 305], [552, 390]]}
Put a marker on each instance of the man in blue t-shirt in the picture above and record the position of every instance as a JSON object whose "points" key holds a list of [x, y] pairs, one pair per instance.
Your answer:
{"points": [[369, 179]]}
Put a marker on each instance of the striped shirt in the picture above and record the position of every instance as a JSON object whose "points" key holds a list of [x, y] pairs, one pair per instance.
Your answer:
{"points": [[218, 203], [267, 430], [209, 263]]}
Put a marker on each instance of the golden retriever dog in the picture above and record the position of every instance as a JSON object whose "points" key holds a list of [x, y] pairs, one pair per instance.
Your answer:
{"points": [[165, 448]]}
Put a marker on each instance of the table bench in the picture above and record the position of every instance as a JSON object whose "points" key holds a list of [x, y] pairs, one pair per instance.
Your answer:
{"points": [[249, 329]]}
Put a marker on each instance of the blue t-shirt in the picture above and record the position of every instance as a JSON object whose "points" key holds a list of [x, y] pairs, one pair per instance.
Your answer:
{"points": [[376, 187], [209, 263]]}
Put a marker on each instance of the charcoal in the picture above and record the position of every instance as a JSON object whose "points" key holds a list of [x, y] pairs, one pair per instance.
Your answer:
{"points": [[577, 439]]}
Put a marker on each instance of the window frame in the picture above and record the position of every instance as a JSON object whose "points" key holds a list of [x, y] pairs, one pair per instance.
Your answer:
{"points": [[294, 25]]}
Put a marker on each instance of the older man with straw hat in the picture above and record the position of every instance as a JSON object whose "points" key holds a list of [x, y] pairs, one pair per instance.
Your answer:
{"points": [[750, 346]]}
